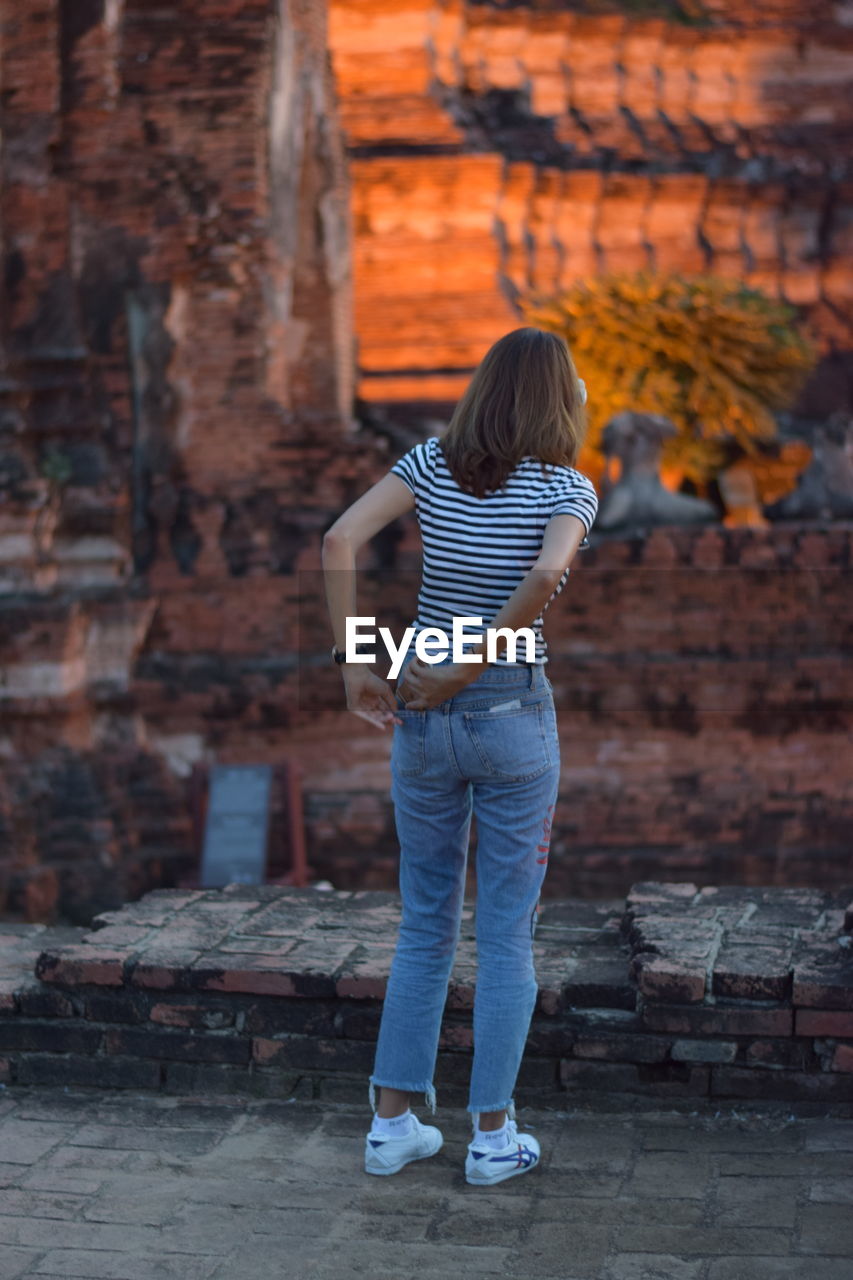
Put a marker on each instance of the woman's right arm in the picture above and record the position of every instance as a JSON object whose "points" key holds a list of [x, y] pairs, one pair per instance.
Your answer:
{"points": [[427, 686], [563, 535]]}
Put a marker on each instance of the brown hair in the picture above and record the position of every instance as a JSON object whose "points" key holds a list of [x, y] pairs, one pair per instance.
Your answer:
{"points": [[523, 400]]}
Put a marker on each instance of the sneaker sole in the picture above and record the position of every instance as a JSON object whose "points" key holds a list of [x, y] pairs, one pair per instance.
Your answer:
{"points": [[498, 1177], [385, 1172]]}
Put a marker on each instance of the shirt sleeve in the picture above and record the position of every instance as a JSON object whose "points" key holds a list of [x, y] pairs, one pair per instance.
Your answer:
{"points": [[415, 466], [574, 494]]}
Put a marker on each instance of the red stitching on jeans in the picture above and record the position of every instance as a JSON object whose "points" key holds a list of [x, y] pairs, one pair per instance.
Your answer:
{"points": [[546, 836]]}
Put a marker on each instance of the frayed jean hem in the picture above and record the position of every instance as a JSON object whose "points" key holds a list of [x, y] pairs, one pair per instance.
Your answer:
{"points": [[427, 1090], [476, 1112]]}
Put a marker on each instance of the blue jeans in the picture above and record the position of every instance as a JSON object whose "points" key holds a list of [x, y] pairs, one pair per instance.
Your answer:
{"points": [[492, 750]]}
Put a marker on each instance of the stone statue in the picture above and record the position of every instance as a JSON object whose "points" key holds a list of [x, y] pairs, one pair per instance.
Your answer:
{"points": [[825, 488], [638, 498]]}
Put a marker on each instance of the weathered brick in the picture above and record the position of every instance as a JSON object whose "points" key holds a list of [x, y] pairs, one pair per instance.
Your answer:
{"points": [[461, 995], [313, 1053], [251, 976], [842, 1058], [743, 1082], [752, 973], [353, 1089], [704, 1050], [549, 1000], [49, 1037], [718, 1020], [453, 1067], [165, 1045], [158, 906], [668, 980], [101, 1073], [191, 1015], [823, 1022], [792, 1054], [163, 971], [310, 1017], [109, 1007], [654, 895], [599, 976], [621, 1048], [824, 987], [362, 982], [216, 1078], [549, 1039], [354, 1023], [457, 1038], [655, 1080], [533, 1073], [81, 966], [44, 1002], [122, 935]]}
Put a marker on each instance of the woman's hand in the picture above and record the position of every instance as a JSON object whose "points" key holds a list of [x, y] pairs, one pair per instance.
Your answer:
{"points": [[424, 686], [370, 697]]}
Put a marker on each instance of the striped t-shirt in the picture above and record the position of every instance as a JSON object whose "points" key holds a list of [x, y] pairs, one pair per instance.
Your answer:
{"points": [[477, 550]]}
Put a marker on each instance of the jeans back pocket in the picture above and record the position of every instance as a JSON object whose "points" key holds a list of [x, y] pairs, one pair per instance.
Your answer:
{"points": [[408, 746], [513, 744]]}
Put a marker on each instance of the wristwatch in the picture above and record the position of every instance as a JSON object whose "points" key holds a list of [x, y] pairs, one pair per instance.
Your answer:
{"points": [[338, 655]]}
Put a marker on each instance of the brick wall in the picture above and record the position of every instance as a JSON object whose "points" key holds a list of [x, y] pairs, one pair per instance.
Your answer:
{"points": [[499, 150], [176, 369], [704, 703]]}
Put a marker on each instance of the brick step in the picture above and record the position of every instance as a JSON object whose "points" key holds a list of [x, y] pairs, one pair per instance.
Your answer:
{"points": [[728, 991]]}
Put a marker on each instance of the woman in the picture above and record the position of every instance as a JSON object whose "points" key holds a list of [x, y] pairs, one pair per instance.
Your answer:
{"points": [[502, 512]]}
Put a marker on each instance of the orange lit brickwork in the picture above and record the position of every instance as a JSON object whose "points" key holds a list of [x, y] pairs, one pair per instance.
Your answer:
{"points": [[503, 150]]}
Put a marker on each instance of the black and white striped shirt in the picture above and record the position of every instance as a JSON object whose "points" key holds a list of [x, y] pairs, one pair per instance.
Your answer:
{"points": [[477, 550]]}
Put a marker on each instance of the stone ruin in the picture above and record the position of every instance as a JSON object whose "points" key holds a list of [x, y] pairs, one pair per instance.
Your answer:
{"points": [[220, 219]]}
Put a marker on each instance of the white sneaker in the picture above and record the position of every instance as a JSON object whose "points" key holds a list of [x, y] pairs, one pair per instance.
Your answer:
{"points": [[388, 1155], [484, 1166]]}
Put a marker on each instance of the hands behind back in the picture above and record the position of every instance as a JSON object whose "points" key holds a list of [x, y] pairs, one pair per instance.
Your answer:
{"points": [[424, 686], [370, 697]]}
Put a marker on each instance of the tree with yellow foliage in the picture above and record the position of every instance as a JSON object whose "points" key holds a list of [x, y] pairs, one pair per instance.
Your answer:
{"points": [[712, 354]]}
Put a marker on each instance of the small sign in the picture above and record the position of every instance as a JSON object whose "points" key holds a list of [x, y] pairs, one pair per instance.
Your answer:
{"points": [[237, 827]]}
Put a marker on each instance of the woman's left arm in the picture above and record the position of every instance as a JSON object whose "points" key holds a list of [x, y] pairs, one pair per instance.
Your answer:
{"points": [[368, 695]]}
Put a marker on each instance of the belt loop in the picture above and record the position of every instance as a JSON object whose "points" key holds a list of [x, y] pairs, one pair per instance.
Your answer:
{"points": [[531, 681]]}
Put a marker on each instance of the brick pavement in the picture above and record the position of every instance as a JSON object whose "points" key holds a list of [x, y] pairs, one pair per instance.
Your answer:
{"points": [[115, 1185]]}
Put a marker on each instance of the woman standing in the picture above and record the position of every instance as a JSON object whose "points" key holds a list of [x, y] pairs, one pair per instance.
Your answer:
{"points": [[502, 512]]}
